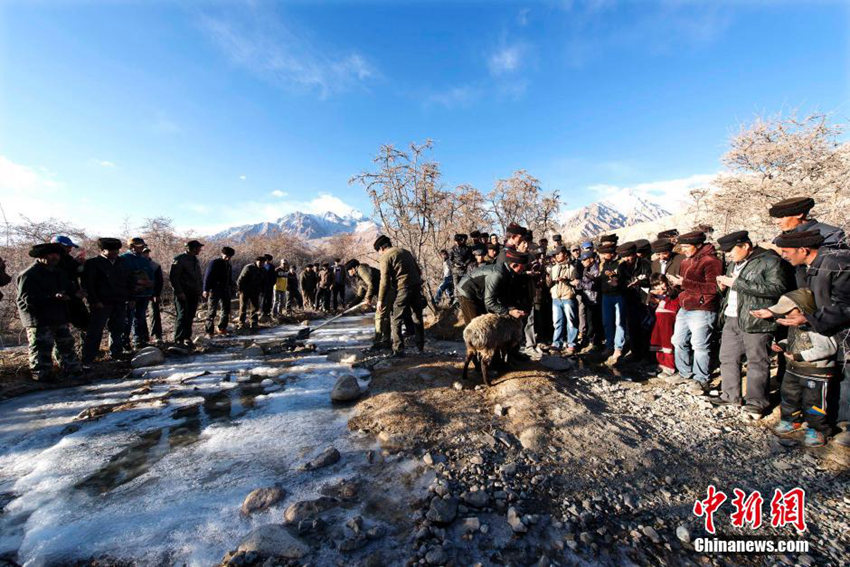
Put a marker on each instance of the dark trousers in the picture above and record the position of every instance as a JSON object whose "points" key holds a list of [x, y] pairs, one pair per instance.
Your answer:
{"points": [[338, 295], [636, 312], [804, 398], [734, 346], [249, 301], [470, 309], [78, 314], [136, 322], [323, 298], [155, 320], [310, 297], [55, 340], [268, 300], [215, 302], [186, 310], [593, 331], [407, 304], [110, 316]]}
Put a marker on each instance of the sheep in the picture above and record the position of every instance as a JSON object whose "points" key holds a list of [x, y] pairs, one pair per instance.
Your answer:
{"points": [[489, 335]]}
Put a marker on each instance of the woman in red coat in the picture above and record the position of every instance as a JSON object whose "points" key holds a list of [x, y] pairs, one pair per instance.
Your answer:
{"points": [[664, 297]]}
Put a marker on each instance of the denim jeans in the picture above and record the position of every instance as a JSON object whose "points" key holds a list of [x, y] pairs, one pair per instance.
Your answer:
{"points": [[136, 323], [565, 311], [446, 287], [692, 343], [614, 321]]}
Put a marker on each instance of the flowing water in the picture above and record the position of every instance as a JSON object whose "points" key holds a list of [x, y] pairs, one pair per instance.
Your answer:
{"points": [[162, 479]]}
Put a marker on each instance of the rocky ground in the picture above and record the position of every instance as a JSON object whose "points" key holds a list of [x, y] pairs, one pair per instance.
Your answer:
{"points": [[560, 462]]}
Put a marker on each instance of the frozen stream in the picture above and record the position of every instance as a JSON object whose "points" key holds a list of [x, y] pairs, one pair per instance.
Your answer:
{"points": [[162, 482]]}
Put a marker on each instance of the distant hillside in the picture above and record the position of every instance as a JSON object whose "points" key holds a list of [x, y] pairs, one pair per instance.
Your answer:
{"points": [[308, 226], [622, 210]]}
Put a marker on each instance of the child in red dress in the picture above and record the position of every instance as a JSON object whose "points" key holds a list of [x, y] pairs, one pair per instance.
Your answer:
{"points": [[663, 296]]}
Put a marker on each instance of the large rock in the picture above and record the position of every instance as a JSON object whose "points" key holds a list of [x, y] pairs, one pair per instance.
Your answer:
{"points": [[308, 509], [148, 356], [326, 458], [262, 498], [349, 356], [253, 351], [273, 540], [442, 511], [515, 522], [346, 389], [533, 438]]}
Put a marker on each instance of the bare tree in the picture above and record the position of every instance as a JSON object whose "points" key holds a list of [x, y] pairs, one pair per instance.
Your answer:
{"points": [[776, 158], [520, 199]]}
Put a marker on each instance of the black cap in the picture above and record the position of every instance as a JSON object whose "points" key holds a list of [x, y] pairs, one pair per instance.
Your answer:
{"points": [[607, 248], [479, 250], [561, 250], [516, 229], [695, 238], [627, 249], [804, 239], [662, 245], [351, 264], [670, 233], [791, 207], [491, 246], [643, 246], [729, 241], [109, 243], [556, 237], [268, 257], [194, 244], [228, 251], [609, 238], [382, 241], [43, 250], [460, 237], [475, 234]]}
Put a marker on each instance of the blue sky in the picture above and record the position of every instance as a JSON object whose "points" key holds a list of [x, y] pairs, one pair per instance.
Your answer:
{"points": [[224, 113]]}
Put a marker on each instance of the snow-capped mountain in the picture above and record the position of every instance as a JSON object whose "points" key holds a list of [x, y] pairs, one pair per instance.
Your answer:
{"points": [[625, 208], [308, 226]]}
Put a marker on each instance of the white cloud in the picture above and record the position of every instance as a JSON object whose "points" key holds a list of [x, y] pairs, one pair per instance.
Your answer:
{"points": [[243, 177], [504, 60], [279, 194], [103, 163], [257, 38], [522, 17]]}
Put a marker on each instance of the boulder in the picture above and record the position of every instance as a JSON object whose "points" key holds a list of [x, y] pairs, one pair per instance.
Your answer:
{"points": [[308, 509], [533, 438], [273, 540], [515, 522], [148, 356], [349, 356], [391, 442], [326, 458], [261, 499], [442, 511], [346, 389], [476, 499], [253, 351]]}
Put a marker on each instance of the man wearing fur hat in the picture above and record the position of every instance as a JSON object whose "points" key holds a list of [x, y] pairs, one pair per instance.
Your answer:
{"points": [[792, 215], [460, 258], [665, 261], [107, 283], [187, 282], [43, 295], [697, 316], [755, 278]]}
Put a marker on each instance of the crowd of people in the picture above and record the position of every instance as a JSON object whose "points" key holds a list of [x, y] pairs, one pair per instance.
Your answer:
{"points": [[678, 306], [681, 306]]}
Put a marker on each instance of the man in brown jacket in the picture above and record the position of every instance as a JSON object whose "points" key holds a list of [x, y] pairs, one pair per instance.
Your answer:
{"points": [[698, 313], [399, 295]]}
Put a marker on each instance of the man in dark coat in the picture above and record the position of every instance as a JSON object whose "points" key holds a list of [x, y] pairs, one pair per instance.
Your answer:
{"points": [[78, 313], [293, 294], [399, 294], [755, 279], [666, 261], [218, 290], [828, 276], [107, 283], [338, 285], [43, 294], [365, 278], [187, 282], [460, 258], [155, 322], [250, 284], [141, 291], [309, 281], [792, 215], [270, 279], [696, 319], [4, 277]]}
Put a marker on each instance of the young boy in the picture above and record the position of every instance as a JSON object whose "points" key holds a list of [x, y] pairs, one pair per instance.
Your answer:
{"points": [[810, 366], [663, 297]]}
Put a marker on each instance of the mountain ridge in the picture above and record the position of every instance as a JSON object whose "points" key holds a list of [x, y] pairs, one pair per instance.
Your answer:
{"points": [[309, 226]]}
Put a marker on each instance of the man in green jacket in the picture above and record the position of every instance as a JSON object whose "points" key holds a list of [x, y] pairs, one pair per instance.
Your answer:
{"points": [[755, 279], [399, 295], [43, 294]]}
